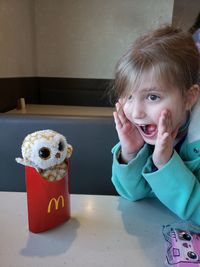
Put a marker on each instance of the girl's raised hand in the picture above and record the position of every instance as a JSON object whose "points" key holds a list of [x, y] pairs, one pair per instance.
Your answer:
{"points": [[130, 138], [165, 140]]}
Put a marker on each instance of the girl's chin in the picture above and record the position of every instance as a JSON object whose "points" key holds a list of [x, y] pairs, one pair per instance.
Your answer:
{"points": [[150, 141]]}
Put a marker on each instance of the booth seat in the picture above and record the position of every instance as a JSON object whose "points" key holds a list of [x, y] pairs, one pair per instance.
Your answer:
{"points": [[91, 137]]}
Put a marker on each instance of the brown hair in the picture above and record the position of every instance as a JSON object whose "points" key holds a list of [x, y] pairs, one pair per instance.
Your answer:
{"points": [[168, 51]]}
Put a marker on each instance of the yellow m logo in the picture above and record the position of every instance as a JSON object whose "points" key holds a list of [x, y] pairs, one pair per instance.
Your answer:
{"points": [[56, 203]]}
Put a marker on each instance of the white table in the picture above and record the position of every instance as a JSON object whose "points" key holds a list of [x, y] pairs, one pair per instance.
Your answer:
{"points": [[103, 231]]}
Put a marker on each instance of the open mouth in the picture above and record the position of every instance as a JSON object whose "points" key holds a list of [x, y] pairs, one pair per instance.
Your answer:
{"points": [[148, 130]]}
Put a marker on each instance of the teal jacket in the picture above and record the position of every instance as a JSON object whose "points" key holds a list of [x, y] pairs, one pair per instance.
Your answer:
{"points": [[176, 185]]}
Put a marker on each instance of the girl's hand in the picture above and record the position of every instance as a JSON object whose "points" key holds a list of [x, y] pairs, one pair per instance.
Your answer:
{"points": [[130, 138], [165, 139]]}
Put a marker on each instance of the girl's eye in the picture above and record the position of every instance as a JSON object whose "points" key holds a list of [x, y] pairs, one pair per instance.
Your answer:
{"points": [[153, 97], [130, 97]]}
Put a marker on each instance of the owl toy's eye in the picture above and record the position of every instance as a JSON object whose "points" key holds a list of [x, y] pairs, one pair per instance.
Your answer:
{"points": [[61, 146], [44, 153]]}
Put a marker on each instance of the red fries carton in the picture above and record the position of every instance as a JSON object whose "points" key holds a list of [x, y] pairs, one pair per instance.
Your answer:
{"points": [[45, 155], [48, 202]]}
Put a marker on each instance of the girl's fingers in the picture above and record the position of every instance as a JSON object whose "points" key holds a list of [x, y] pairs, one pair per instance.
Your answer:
{"points": [[161, 124], [165, 122], [165, 138], [121, 102], [117, 120], [120, 113], [169, 126], [175, 132], [117, 106], [169, 122]]}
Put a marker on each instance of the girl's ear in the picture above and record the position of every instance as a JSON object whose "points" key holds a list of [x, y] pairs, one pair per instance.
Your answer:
{"points": [[192, 96]]}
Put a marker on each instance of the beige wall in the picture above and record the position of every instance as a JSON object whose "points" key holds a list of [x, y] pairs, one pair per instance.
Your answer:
{"points": [[17, 44], [84, 38], [68, 38]]}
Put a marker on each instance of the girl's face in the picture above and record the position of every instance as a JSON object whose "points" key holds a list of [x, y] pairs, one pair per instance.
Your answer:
{"points": [[145, 104]]}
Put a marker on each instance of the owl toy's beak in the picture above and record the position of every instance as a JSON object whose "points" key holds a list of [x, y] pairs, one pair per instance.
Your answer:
{"points": [[57, 155], [69, 150]]}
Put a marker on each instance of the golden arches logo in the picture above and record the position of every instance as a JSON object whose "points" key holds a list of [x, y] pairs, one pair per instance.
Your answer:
{"points": [[56, 203]]}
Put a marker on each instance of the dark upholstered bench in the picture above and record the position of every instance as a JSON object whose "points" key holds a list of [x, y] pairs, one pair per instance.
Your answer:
{"points": [[91, 137]]}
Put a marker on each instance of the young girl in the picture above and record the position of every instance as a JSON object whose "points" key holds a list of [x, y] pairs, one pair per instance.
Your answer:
{"points": [[157, 118]]}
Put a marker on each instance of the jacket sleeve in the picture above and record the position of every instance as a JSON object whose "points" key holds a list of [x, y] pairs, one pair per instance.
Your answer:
{"points": [[127, 178], [177, 186]]}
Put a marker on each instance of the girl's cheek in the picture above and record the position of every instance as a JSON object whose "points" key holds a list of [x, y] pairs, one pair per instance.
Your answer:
{"points": [[157, 116], [128, 116], [127, 111]]}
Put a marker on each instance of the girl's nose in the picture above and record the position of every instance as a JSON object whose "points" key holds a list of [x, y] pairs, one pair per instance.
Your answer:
{"points": [[138, 111]]}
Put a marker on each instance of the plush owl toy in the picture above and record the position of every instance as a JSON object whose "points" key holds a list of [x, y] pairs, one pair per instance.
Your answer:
{"points": [[47, 152]]}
